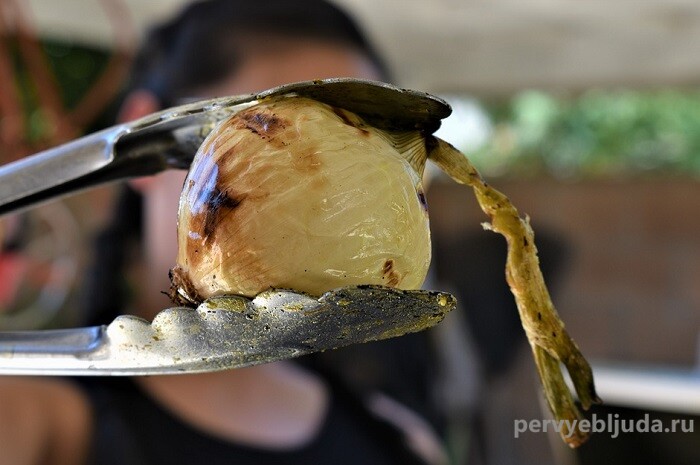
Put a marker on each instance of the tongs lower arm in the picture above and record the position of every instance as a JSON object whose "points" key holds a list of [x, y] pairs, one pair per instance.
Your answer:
{"points": [[225, 332]]}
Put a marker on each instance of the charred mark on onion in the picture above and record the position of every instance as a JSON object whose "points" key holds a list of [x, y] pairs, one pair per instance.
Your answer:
{"points": [[390, 275], [219, 205], [262, 123]]}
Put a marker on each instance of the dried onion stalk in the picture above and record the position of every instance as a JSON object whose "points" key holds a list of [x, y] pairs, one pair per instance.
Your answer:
{"points": [[549, 340]]}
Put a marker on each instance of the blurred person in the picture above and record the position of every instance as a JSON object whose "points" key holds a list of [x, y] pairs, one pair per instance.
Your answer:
{"points": [[284, 412]]}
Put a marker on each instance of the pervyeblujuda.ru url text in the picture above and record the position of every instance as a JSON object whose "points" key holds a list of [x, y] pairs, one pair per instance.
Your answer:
{"points": [[611, 424]]}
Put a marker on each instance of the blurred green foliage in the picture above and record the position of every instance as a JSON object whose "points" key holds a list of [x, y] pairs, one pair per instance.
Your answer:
{"points": [[600, 133], [75, 66]]}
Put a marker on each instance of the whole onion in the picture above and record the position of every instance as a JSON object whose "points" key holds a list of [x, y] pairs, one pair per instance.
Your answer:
{"points": [[292, 193]]}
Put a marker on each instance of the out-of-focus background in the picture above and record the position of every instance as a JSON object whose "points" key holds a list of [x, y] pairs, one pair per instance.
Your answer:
{"points": [[587, 114]]}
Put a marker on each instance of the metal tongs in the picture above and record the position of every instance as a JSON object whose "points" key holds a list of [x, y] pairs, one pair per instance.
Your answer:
{"points": [[228, 331]]}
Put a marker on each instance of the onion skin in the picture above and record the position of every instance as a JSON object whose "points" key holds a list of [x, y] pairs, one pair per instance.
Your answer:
{"points": [[292, 193]]}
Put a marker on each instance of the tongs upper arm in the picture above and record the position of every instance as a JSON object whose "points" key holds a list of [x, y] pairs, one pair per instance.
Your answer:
{"points": [[170, 138], [163, 140], [47, 174]]}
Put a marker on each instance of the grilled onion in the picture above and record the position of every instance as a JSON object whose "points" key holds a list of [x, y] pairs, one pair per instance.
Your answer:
{"points": [[293, 193]]}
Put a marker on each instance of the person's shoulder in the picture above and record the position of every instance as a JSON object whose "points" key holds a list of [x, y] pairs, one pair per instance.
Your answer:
{"points": [[42, 420]]}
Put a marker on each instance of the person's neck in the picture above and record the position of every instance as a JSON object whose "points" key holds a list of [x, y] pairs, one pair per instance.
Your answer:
{"points": [[275, 406]]}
